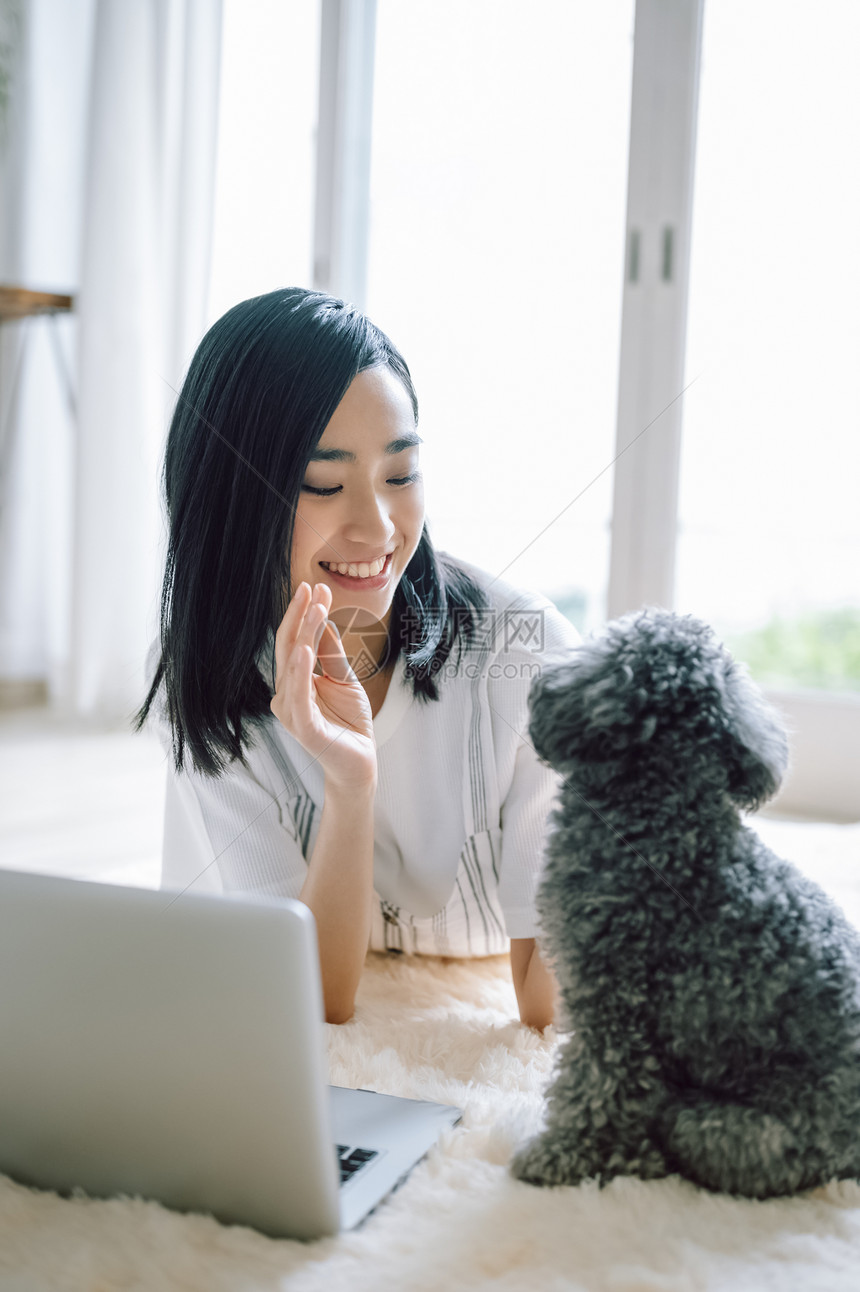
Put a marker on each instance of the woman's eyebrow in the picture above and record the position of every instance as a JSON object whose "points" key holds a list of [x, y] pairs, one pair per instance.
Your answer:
{"points": [[407, 441]]}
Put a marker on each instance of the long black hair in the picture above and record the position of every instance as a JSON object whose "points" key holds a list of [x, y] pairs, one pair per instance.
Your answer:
{"points": [[260, 390]]}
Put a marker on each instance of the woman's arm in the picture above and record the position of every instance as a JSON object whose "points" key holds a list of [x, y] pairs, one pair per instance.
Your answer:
{"points": [[532, 788], [338, 890], [534, 983], [330, 717]]}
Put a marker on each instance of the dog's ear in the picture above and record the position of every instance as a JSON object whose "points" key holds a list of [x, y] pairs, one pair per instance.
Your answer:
{"points": [[756, 740], [554, 727], [589, 708], [565, 706]]}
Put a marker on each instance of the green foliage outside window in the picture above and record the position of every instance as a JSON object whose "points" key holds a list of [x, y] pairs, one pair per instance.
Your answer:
{"points": [[820, 651]]}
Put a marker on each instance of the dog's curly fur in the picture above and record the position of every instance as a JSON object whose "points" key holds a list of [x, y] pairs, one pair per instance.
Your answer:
{"points": [[712, 990]]}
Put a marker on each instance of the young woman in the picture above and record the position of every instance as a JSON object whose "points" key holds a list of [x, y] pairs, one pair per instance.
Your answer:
{"points": [[346, 708]]}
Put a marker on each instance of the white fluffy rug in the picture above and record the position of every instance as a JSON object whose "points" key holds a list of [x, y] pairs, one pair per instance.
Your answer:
{"points": [[431, 1030], [448, 1032]]}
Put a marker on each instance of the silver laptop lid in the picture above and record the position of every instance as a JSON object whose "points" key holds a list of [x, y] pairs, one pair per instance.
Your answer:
{"points": [[165, 1047]]}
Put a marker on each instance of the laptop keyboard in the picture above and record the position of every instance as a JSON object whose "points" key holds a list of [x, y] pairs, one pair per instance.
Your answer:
{"points": [[351, 1159]]}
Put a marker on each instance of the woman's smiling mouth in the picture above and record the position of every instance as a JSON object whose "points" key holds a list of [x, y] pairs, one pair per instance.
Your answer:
{"points": [[367, 573]]}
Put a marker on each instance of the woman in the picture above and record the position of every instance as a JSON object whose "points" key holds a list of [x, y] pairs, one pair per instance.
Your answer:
{"points": [[346, 708]]}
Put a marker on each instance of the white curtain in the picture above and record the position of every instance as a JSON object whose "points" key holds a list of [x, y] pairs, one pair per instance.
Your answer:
{"points": [[119, 99], [46, 57], [145, 265]]}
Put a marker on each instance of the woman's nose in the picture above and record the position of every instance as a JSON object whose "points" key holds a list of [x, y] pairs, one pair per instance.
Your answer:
{"points": [[369, 519]]}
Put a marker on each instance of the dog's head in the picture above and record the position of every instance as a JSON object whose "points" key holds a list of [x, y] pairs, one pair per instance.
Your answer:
{"points": [[657, 691]]}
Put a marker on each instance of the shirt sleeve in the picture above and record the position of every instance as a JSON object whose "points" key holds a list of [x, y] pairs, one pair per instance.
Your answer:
{"points": [[524, 828], [244, 831], [528, 786], [232, 833]]}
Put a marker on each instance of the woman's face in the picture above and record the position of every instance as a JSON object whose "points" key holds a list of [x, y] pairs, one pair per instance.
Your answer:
{"points": [[362, 501]]}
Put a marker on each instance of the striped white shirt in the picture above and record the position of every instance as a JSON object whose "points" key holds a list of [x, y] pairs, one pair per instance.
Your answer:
{"points": [[461, 804]]}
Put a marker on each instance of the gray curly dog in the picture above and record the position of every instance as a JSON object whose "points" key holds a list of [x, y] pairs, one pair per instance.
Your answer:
{"points": [[712, 992]]}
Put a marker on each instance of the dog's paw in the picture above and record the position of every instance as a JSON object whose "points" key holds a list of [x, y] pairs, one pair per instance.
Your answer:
{"points": [[544, 1160], [647, 1163]]}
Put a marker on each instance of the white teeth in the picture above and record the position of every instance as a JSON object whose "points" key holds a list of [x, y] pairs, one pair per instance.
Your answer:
{"points": [[360, 571]]}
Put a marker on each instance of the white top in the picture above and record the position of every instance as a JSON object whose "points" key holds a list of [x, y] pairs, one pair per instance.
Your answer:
{"points": [[461, 804]]}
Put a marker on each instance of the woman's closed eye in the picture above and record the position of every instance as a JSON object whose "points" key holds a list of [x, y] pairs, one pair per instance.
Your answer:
{"points": [[397, 481]]}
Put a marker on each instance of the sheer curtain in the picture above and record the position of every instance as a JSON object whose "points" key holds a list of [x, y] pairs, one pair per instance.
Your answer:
{"points": [[47, 52], [130, 92], [144, 273]]}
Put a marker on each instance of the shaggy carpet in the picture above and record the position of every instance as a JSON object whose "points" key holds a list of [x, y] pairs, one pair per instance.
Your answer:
{"points": [[426, 1029], [448, 1031]]}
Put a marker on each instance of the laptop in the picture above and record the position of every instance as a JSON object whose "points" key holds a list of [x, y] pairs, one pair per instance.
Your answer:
{"points": [[172, 1047]]}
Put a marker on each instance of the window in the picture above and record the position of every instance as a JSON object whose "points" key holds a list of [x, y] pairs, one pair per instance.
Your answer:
{"points": [[498, 176], [267, 120], [769, 538]]}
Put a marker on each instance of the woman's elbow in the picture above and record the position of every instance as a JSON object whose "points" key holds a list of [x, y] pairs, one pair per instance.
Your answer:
{"points": [[339, 1015], [534, 983], [538, 1019]]}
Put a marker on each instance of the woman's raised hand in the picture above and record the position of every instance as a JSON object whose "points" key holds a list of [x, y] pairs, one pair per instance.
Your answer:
{"points": [[329, 714]]}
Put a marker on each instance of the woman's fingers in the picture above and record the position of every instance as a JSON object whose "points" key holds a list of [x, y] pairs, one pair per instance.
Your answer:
{"points": [[329, 714], [331, 655], [297, 642], [299, 699], [298, 624], [289, 629]]}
